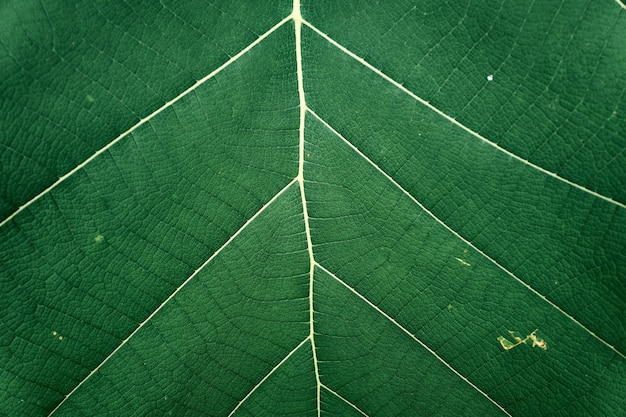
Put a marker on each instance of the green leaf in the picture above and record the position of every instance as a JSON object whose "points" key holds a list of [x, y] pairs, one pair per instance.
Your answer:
{"points": [[328, 208]]}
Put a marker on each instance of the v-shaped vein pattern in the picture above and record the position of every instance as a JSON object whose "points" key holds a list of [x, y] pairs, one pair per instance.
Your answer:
{"points": [[173, 294], [412, 336], [617, 207], [470, 244], [348, 285], [454, 121], [143, 121]]}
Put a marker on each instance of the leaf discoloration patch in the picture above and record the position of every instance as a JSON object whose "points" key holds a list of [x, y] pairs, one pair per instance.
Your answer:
{"points": [[537, 342]]}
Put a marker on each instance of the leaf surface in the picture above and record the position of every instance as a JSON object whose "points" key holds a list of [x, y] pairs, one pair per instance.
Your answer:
{"points": [[326, 208]]}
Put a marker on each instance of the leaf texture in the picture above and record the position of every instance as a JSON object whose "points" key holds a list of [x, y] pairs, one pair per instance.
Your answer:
{"points": [[321, 209]]}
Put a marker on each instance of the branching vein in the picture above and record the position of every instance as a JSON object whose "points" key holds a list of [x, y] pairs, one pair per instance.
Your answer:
{"points": [[344, 400], [297, 19], [173, 294], [466, 241], [243, 400], [144, 120], [456, 122], [412, 336]]}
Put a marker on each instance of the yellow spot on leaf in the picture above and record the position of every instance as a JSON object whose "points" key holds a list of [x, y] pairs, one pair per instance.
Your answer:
{"points": [[54, 333], [90, 98], [463, 262], [98, 238], [537, 342], [540, 343], [505, 343]]}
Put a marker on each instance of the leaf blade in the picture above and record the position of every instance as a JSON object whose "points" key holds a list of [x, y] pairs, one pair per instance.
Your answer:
{"points": [[388, 241]]}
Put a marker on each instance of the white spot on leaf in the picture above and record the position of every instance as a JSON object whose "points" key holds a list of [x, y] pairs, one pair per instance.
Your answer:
{"points": [[462, 262]]}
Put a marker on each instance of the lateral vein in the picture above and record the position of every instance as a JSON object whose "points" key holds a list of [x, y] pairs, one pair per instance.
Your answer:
{"points": [[173, 294], [456, 122], [144, 120], [336, 394], [415, 338], [459, 236], [267, 376]]}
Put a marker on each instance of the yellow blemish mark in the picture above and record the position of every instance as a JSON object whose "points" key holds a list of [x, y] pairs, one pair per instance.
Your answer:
{"points": [[90, 98], [537, 342], [54, 333], [60, 337], [98, 238], [463, 262]]}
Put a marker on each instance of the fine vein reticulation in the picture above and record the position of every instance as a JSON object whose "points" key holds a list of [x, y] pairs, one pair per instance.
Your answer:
{"points": [[173, 294], [298, 21], [466, 241]]}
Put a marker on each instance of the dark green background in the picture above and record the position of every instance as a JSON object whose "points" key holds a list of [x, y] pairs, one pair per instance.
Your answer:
{"points": [[428, 242]]}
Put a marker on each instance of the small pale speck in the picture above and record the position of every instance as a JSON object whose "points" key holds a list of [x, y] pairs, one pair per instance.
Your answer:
{"points": [[98, 238], [490, 77], [90, 98], [60, 337], [54, 333]]}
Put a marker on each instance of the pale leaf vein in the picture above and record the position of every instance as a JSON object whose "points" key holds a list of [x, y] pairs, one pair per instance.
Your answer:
{"points": [[173, 294], [456, 122], [415, 338], [144, 120], [462, 238]]}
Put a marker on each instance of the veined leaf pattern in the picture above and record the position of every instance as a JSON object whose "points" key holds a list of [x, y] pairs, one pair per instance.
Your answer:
{"points": [[326, 208]]}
